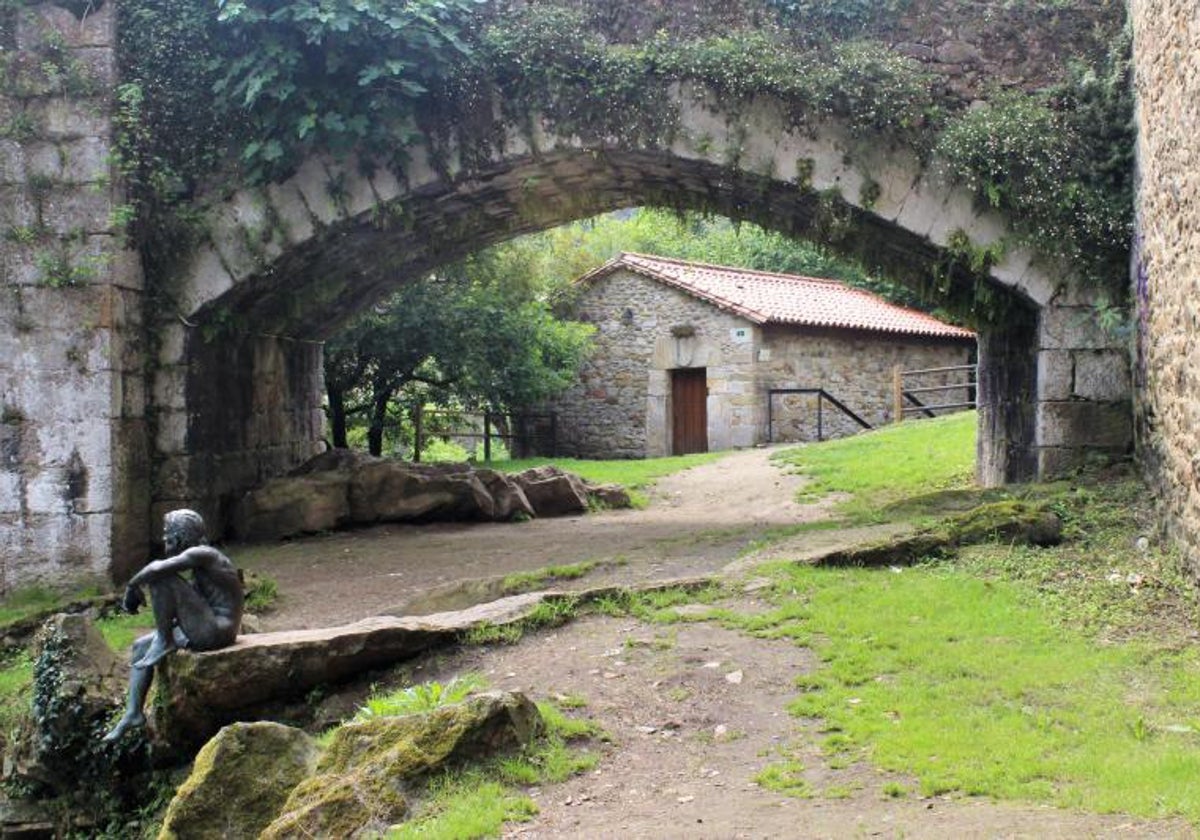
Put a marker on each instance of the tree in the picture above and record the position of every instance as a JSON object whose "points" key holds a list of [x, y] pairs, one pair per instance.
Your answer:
{"points": [[476, 334]]}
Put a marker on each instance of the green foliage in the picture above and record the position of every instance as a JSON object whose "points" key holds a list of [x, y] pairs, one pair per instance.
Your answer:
{"points": [[527, 581], [262, 591], [32, 601], [1060, 166], [885, 465], [332, 75], [16, 682], [424, 697], [475, 335], [120, 629], [785, 777]]}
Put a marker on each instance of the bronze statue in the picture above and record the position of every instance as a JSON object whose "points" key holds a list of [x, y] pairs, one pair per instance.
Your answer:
{"points": [[204, 613]]}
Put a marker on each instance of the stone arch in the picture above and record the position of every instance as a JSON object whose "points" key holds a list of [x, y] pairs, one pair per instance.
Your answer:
{"points": [[237, 391]]}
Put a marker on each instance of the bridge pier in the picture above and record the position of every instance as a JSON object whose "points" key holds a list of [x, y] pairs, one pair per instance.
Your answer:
{"points": [[74, 465]]}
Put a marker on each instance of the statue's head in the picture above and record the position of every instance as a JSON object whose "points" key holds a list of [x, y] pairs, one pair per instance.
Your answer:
{"points": [[183, 529]]}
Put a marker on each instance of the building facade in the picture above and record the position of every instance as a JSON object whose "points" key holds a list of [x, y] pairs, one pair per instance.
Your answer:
{"points": [[692, 358]]}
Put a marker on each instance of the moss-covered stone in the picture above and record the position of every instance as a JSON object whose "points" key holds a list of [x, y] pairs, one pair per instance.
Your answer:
{"points": [[361, 782], [1009, 521], [239, 782]]}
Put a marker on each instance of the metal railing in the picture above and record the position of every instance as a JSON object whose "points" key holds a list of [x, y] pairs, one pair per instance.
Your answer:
{"points": [[822, 396], [905, 399]]}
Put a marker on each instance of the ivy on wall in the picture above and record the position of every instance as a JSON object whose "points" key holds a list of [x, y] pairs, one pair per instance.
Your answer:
{"points": [[248, 88]]}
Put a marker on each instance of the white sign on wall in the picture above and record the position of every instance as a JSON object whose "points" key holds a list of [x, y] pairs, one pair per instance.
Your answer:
{"points": [[740, 335]]}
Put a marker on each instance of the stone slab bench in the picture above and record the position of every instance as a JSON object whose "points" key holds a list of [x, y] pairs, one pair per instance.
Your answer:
{"points": [[198, 693]]}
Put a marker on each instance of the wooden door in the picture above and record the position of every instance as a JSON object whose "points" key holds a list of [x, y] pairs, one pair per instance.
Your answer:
{"points": [[689, 412]]}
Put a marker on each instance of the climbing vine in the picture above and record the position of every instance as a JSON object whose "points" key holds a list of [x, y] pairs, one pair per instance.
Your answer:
{"points": [[247, 89], [1060, 165]]}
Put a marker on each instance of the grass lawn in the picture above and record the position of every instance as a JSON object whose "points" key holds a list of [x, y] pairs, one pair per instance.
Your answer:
{"points": [[889, 465], [1064, 675]]}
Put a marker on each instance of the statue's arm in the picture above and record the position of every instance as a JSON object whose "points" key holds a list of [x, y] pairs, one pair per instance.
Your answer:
{"points": [[189, 559]]}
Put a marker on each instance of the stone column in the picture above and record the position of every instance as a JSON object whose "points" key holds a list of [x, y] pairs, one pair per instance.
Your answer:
{"points": [[73, 475], [1007, 387]]}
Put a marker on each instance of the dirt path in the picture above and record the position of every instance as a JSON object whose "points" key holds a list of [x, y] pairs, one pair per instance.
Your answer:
{"points": [[694, 711], [698, 521]]}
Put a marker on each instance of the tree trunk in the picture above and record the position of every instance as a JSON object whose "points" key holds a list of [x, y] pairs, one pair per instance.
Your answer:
{"points": [[337, 416], [378, 416]]}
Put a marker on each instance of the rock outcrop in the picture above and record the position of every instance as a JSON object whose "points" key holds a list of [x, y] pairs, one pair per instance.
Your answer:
{"points": [[340, 488]]}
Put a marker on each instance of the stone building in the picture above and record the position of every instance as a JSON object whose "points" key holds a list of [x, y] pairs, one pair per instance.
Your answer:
{"points": [[691, 357]]}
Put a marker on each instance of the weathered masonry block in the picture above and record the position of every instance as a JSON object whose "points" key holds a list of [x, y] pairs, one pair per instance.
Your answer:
{"points": [[73, 455], [1167, 260]]}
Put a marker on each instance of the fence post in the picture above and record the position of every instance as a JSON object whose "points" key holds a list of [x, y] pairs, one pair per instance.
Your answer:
{"points": [[897, 394], [487, 437], [820, 416], [417, 433]]}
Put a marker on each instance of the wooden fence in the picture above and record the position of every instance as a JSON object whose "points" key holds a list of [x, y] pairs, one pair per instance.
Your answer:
{"points": [[911, 397]]}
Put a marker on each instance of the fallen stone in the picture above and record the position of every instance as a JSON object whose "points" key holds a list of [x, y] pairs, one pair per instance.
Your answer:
{"points": [[1011, 522], [285, 507], [362, 782], [239, 782], [508, 498], [553, 492], [609, 496], [396, 491]]}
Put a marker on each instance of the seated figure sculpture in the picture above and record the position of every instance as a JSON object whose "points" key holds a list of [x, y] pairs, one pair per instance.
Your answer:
{"points": [[204, 613]]}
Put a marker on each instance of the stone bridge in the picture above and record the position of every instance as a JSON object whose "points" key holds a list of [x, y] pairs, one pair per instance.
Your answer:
{"points": [[116, 408]]}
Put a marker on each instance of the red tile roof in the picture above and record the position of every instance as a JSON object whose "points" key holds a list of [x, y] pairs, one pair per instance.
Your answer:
{"points": [[766, 298]]}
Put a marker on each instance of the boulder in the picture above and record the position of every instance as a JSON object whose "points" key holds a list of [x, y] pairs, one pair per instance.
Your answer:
{"points": [[609, 496], [362, 782], [396, 491], [508, 499], [239, 782], [284, 507], [553, 492]]}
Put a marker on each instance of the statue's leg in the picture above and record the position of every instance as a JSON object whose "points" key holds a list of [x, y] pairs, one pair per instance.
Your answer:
{"points": [[176, 605], [139, 686]]}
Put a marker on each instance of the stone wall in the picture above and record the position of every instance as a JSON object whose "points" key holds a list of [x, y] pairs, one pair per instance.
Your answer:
{"points": [[73, 494], [1167, 261], [856, 368], [621, 407], [262, 416]]}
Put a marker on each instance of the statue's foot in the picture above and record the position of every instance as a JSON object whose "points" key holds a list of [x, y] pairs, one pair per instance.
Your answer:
{"points": [[158, 649], [127, 721]]}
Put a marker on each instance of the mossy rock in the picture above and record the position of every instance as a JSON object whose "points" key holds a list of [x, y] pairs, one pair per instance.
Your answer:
{"points": [[239, 782], [1008, 521], [362, 782]]}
